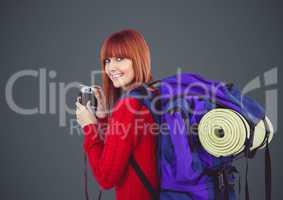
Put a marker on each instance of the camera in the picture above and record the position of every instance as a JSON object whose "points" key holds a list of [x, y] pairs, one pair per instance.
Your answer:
{"points": [[86, 95]]}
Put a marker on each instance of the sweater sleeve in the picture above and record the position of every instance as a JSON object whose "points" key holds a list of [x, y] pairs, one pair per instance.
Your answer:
{"points": [[109, 159], [103, 124]]}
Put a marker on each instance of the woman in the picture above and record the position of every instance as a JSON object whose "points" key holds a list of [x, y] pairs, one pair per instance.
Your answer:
{"points": [[125, 60]]}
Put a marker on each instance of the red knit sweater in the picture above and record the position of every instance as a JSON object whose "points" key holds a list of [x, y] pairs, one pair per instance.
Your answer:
{"points": [[130, 130]]}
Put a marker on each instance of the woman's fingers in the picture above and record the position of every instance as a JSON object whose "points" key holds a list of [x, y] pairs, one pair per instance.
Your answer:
{"points": [[88, 106], [79, 99], [95, 87], [79, 106], [77, 112], [97, 93], [102, 96], [84, 114], [101, 103]]}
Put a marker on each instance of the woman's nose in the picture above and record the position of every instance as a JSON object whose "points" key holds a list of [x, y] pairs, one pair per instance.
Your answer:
{"points": [[112, 68]]}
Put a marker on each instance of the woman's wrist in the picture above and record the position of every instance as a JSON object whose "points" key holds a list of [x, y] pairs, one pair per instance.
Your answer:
{"points": [[101, 114], [90, 123], [101, 117]]}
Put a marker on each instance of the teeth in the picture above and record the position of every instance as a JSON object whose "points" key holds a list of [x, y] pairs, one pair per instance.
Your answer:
{"points": [[117, 75]]}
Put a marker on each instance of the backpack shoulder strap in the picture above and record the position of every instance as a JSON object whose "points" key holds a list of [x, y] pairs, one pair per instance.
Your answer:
{"points": [[143, 178]]}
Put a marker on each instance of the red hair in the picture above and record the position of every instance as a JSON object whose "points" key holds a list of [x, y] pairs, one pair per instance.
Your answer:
{"points": [[125, 44]]}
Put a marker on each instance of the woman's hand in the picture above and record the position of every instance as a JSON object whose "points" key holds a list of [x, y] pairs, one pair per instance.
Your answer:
{"points": [[84, 114], [101, 101]]}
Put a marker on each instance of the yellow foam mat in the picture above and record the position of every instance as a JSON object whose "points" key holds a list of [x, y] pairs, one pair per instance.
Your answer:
{"points": [[222, 132]]}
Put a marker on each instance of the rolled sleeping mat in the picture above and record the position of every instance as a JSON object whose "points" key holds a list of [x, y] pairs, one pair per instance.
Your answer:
{"points": [[223, 132], [260, 131]]}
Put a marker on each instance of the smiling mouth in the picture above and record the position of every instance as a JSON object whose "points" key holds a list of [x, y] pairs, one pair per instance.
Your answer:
{"points": [[115, 76]]}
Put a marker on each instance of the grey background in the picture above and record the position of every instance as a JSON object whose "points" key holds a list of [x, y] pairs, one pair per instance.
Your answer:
{"points": [[230, 41]]}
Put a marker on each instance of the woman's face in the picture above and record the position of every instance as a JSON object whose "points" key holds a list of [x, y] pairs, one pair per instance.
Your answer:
{"points": [[120, 71]]}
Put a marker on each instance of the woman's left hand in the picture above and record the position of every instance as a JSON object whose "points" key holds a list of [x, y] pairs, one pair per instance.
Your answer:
{"points": [[84, 114]]}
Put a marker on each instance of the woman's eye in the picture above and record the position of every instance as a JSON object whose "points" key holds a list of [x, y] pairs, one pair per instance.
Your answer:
{"points": [[106, 61], [119, 59]]}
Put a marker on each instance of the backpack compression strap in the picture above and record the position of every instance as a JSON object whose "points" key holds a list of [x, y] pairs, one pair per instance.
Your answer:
{"points": [[267, 165], [268, 173]]}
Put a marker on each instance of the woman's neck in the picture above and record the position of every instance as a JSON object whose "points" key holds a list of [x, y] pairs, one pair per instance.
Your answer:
{"points": [[127, 88]]}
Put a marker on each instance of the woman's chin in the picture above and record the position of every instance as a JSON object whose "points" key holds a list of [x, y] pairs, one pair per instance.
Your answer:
{"points": [[122, 85], [118, 85]]}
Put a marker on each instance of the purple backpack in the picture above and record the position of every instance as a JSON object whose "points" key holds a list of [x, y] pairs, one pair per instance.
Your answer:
{"points": [[186, 170]]}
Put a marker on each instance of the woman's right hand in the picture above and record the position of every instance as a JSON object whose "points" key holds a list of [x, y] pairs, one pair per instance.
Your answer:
{"points": [[84, 114], [101, 111]]}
